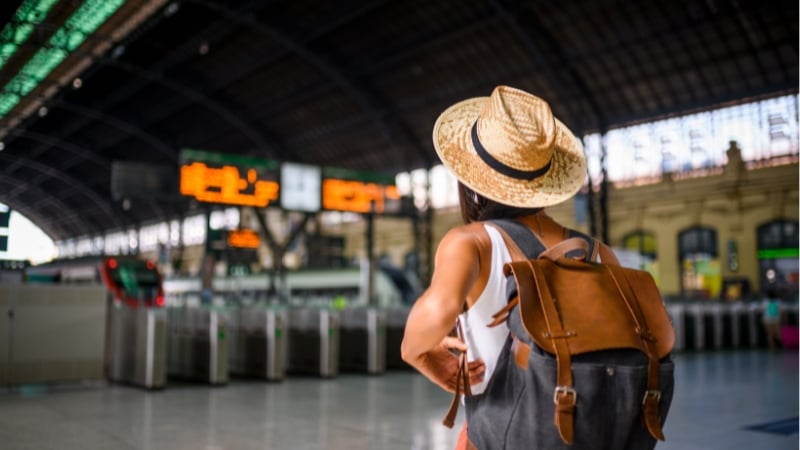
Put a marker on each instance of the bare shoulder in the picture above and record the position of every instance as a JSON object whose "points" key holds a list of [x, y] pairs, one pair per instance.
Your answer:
{"points": [[471, 238]]}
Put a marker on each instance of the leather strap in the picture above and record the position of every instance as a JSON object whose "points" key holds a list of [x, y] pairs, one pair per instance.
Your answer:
{"points": [[607, 255], [566, 246], [462, 383], [652, 395], [565, 397]]}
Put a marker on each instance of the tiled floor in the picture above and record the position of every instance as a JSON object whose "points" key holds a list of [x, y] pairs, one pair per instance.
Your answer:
{"points": [[717, 396]]}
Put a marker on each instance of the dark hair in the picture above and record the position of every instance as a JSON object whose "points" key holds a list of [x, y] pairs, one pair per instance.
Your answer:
{"points": [[475, 207]]}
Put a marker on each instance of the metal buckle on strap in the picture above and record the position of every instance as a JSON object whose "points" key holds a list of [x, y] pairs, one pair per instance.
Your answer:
{"points": [[651, 393], [566, 390]]}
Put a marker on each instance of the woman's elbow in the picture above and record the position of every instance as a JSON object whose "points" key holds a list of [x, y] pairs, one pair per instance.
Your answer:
{"points": [[406, 355]]}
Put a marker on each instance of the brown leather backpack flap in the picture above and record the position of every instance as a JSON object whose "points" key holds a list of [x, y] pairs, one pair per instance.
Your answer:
{"points": [[592, 313]]}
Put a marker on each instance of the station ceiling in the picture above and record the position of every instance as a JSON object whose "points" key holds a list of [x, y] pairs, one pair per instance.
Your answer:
{"points": [[352, 84]]}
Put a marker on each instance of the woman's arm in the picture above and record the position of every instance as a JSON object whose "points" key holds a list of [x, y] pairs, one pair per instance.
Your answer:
{"points": [[426, 345]]}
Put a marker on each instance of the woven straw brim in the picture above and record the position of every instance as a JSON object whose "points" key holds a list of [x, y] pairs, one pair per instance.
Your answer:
{"points": [[451, 138]]}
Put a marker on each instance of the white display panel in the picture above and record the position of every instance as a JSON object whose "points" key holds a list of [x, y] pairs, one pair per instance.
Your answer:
{"points": [[300, 187]]}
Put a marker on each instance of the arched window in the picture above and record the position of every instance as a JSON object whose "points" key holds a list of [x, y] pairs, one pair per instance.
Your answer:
{"points": [[698, 253], [778, 257]]}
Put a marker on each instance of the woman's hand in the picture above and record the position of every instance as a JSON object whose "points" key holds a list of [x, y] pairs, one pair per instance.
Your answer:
{"points": [[440, 364]]}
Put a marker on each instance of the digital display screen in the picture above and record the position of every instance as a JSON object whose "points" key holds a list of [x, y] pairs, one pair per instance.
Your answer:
{"points": [[228, 179], [361, 192], [243, 238]]}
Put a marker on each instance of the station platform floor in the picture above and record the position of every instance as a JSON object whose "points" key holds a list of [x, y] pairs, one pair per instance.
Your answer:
{"points": [[733, 400]]}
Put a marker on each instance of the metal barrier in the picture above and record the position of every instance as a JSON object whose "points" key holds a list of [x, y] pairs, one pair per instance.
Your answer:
{"points": [[395, 327], [257, 341], [197, 344], [718, 326], [138, 345], [362, 340], [313, 341], [677, 314]]}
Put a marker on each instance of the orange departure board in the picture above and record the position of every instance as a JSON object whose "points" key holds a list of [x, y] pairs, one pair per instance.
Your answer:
{"points": [[228, 179], [243, 238], [359, 196]]}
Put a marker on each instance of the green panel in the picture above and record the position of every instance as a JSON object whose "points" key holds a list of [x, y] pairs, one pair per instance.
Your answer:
{"points": [[83, 22], [357, 175], [190, 155], [777, 253]]}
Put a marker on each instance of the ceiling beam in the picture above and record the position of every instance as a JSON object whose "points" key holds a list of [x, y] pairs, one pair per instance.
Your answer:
{"points": [[379, 110], [55, 173], [532, 22], [68, 223]]}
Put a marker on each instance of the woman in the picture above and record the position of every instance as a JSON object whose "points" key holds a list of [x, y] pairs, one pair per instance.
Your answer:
{"points": [[772, 318], [512, 158]]}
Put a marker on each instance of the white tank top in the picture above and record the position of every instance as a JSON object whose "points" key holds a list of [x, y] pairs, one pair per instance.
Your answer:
{"points": [[484, 342]]}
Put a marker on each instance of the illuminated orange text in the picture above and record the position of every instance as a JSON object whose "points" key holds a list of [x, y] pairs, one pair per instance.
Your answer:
{"points": [[243, 239], [356, 196], [225, 185]]}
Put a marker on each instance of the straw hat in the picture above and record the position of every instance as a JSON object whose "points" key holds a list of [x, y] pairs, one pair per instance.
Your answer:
{"points": [[509, 148]]}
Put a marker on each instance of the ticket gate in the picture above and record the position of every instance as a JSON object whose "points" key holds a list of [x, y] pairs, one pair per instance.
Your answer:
{"points": [[395, 327], [257, 340], [313, 341], [677, 314], [137, 345], [715, 315], [739, 329], [756, 331], [695, 327], [362, 340], [197, 344]]}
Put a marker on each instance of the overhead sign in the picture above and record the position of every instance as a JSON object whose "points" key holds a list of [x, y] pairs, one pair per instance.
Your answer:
{"points": [[247, 181], [228, 179], [361, 192], [243, 238]]}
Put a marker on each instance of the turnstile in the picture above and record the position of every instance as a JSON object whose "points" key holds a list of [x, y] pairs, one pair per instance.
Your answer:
{"points": [[362, 340], [677, 314], [695, 327], [138, 345], [257, 341], [197, 344], [313, 341], [395, 327], [755, 326]]}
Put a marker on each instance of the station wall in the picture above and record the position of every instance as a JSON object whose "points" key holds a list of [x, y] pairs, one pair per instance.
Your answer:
{"points": [[734, 201]]}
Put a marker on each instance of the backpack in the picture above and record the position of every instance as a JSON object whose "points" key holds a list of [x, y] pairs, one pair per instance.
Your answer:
{"points": [[587, 364]]}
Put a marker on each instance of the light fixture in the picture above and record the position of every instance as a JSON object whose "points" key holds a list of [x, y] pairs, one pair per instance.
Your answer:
{"points": [[172, 9], [77, 83]]}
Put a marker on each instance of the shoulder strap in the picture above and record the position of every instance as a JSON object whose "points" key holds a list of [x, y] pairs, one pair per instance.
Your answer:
{"points": [[527, 242], [607, 255], [577, 245]]}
